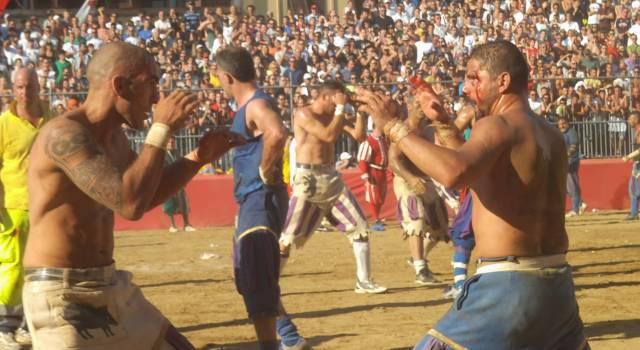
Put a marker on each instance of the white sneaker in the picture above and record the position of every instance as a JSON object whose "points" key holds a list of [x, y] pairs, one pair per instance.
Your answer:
{"points": [[451, 292], [173, 229], [583, 207], [8, 342], [369, 287], [189, 228], [22, 336], [300, 345], [570, 214]]}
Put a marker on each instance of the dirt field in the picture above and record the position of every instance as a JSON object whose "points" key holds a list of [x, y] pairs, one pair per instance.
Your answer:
{"points": [[199, 295]]}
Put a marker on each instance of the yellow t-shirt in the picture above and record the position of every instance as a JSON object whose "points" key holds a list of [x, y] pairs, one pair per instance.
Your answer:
{"points": [[16, 137]]}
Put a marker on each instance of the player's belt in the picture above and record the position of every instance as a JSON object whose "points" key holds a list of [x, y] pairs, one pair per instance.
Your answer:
{"points": [[60, 274], [314, 166], [514, 263], [376, 166]]}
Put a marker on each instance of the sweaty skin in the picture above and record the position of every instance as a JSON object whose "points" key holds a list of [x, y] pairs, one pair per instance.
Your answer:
{"points": [[514, 163], [83, 170], [316, 129]]}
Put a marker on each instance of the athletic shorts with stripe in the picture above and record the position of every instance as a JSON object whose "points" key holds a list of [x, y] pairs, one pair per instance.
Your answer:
{"points": [[319, 193], [256, 254]]}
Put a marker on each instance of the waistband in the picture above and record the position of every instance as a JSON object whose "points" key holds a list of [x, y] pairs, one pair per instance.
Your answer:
{"points": [[315, 166], [96, 274], [513, 263], [376, 166]]}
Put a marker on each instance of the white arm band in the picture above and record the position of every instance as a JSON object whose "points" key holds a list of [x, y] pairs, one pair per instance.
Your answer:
{"points": [[158, 135], [339, 110]]}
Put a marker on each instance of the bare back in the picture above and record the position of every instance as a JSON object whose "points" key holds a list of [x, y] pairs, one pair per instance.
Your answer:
{"points": [[311, 149], [519, 201], [68, 227]]}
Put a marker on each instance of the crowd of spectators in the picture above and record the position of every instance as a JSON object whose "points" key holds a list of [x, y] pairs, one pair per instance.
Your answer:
{"points": [[584, 55]]}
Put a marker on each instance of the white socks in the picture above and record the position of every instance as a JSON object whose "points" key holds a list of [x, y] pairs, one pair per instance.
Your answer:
{"points": [[363, 260], [419, 265]]}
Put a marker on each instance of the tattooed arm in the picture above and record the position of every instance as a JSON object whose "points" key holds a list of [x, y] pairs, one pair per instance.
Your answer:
{"points": [[129, 193]]}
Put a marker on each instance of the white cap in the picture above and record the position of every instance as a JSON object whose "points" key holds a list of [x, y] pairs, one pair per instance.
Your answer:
{"points": [[306, 76], [345, 156], [579, 84]]}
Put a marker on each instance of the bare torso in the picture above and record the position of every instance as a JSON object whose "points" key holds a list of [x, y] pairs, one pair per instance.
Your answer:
{"points": [[68, 228], [519, 202], [309, 148]]}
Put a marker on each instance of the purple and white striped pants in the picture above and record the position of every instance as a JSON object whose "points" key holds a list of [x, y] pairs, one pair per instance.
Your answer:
{"points": [[318, 194]]}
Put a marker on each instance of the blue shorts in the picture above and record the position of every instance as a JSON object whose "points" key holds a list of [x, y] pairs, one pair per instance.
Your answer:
{"points": [[461, 230], [534, 309], [256, 252]]}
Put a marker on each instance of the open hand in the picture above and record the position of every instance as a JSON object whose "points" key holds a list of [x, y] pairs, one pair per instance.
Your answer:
{"points": [[174, 109], [432, 105], [380, 107]]}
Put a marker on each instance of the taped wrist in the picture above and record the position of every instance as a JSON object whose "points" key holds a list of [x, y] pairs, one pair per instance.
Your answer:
{"points": [[396, 130], [339, 110], [158, 135]]}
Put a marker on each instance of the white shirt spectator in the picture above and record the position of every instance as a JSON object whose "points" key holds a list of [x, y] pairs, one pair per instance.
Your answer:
{"points": [[96, 42], [133, 40], [422, 47], [567, 26], [70, 48], [339, 41], [162, 25]]}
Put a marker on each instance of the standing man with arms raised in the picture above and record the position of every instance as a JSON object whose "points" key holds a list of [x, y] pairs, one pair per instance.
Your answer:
{"points": [[82, 171], [19, 126], [421, 212], [259, 190], [516, 166], [318, 190]]}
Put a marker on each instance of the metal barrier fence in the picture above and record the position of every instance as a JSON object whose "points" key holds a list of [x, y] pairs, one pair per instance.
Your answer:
{"points": [[600, 137]]}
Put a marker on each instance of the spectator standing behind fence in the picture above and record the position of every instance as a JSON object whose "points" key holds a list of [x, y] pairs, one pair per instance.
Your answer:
{"points": [[18, 128], [178, 204], [634, 179], [573, 181]]}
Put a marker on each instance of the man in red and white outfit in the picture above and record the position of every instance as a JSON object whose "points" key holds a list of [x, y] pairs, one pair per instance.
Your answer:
{"points": [[373, 161]]}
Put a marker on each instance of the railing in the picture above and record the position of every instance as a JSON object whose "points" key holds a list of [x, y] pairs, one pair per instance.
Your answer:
{"points": [[600, 137]]}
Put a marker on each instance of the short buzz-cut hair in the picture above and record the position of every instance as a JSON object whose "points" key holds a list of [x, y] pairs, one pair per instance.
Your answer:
{"points": [[238, 62], [330, 86], [502, 56]]}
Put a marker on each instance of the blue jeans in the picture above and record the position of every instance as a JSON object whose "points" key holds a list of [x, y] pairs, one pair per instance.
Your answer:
{"points": [[573, 187], [634, 195]]}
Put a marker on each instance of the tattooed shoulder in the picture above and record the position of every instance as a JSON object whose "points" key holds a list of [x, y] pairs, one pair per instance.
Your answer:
{"points": [[71, 147]]}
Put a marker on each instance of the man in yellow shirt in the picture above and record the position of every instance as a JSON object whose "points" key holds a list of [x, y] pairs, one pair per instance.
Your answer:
{"points": [[19, 126]]}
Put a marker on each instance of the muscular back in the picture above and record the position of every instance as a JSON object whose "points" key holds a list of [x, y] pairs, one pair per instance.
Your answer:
{"points": [[69, 228], [519, 201]]}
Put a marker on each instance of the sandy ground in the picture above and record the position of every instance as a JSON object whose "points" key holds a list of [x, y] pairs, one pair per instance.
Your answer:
{"points": [[198, 295]]}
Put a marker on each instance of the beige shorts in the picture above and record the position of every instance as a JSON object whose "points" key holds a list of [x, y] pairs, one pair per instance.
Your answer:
{"points": [[95, 308], [421, 214]]}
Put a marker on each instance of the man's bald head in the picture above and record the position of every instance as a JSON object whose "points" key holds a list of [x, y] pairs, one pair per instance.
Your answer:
{"points": [[117, 58], [26, 86]]}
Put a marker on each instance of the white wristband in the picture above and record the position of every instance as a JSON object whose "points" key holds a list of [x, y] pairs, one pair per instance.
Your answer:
{"points": [[158, 135], [339, 110]]}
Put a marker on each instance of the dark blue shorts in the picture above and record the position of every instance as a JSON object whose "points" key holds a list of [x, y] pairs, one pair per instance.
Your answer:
{"points": [[256, 252]]}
